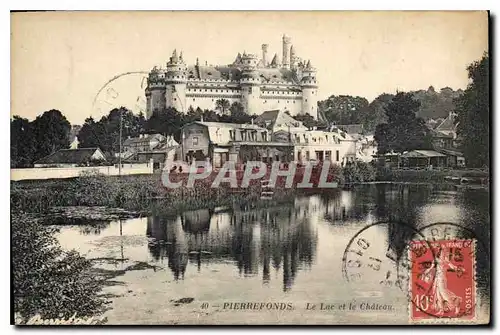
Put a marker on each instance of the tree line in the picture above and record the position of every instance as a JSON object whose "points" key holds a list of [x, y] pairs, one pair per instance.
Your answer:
{"points": [[403, 130], [346, 109], [397, 121], [50, 132]]}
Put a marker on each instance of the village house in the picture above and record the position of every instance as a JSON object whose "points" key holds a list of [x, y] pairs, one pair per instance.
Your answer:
{"points": [[366, 147], [273, 136], [72, 158], [335, 145], [145, 142], [445, 141], [219, 142], [164, 152]]}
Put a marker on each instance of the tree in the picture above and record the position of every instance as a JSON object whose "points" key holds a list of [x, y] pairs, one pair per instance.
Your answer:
{"points": [[22, 142], [47, 280], [376, 112], [167, 121], [237, 115], [222, 105], [105, 133], [473, 115], [309, 121], [404, 131], [51, 131], [343, 109]]}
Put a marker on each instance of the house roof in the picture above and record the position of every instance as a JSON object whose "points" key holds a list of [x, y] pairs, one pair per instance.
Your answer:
{"points": [[278, 118], [423, 153], [234, 72], [219, 132], [351, 128], [448, 124], [228, 125], [145, 139], [69, 156]]}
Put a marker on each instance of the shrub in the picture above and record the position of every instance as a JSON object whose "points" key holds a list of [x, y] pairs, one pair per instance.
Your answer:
{"points": [[48, 281], [359, 172]]}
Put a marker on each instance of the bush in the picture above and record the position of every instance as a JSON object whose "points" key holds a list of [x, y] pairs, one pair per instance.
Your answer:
{"points": [[359, 172], [48, 281]]}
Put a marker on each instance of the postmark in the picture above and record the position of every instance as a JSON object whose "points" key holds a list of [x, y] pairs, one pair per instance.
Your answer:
{"points": [[125, 89], [381, 261], [434, 266]]}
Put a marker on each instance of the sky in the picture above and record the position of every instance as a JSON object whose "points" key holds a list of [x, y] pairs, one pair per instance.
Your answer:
{"points": [[64, 60]]}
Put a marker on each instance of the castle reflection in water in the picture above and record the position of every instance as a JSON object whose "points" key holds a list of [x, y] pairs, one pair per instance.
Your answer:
{"points": [[283, 237], [255, 239]]}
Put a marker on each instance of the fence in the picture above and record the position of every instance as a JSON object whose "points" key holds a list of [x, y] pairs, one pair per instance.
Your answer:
{"points": [[70, 172]]}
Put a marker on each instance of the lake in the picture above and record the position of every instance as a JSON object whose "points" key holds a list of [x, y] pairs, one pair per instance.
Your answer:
{"points": [[234, 260]]}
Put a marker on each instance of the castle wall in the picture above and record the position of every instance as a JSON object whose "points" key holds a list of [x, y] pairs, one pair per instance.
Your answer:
{"points": [[157, 100], [176, 97]]}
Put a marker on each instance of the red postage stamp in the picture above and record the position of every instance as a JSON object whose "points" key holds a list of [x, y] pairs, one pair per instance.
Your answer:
{"points": [[442, 280]]}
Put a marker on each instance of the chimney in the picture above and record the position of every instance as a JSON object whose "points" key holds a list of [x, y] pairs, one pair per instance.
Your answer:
{"points": [[286, 47], [264, 54]]}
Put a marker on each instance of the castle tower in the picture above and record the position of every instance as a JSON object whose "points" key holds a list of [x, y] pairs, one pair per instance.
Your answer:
{"points": [[250, 84], [264, 54], [293, 58], [309, 91], [175, 80], [155, 92], [286, 47]]}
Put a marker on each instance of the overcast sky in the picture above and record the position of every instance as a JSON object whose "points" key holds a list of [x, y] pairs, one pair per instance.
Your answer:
{"points": [[61, 60]]}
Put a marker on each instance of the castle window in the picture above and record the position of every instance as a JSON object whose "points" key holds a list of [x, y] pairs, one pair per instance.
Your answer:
{"points": [[194, 99], [306, 100], [293, 101], [175, 99]]}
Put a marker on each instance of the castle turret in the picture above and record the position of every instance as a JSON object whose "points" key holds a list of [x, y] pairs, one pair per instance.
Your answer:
{"points": [[175, 80], [286, 47], [250, 84], [309, 91], [155, 91]]}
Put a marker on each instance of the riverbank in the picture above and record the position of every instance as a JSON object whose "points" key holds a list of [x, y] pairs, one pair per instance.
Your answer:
{"points": [[140, 194], [431, 176]]}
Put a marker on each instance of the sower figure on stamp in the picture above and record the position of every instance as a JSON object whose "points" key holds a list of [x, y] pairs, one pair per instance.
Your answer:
{"points": [[443, 299]]}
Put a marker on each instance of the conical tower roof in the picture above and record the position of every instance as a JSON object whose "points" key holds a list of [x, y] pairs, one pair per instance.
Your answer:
{"points": [[275, 61], [174, 58]]}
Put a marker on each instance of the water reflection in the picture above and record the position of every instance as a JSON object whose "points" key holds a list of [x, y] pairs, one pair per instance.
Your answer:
{"points": [[256, 240], [294, 244]]}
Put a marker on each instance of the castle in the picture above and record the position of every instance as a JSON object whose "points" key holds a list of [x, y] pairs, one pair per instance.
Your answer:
{"points": [[257, 84]]}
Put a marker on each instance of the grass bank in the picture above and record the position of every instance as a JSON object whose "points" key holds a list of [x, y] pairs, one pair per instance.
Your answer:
{"points": [[427, 176], [140, 192]]}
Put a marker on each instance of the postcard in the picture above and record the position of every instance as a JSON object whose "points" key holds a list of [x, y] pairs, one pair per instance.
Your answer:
{"points": [[250, 168]]}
